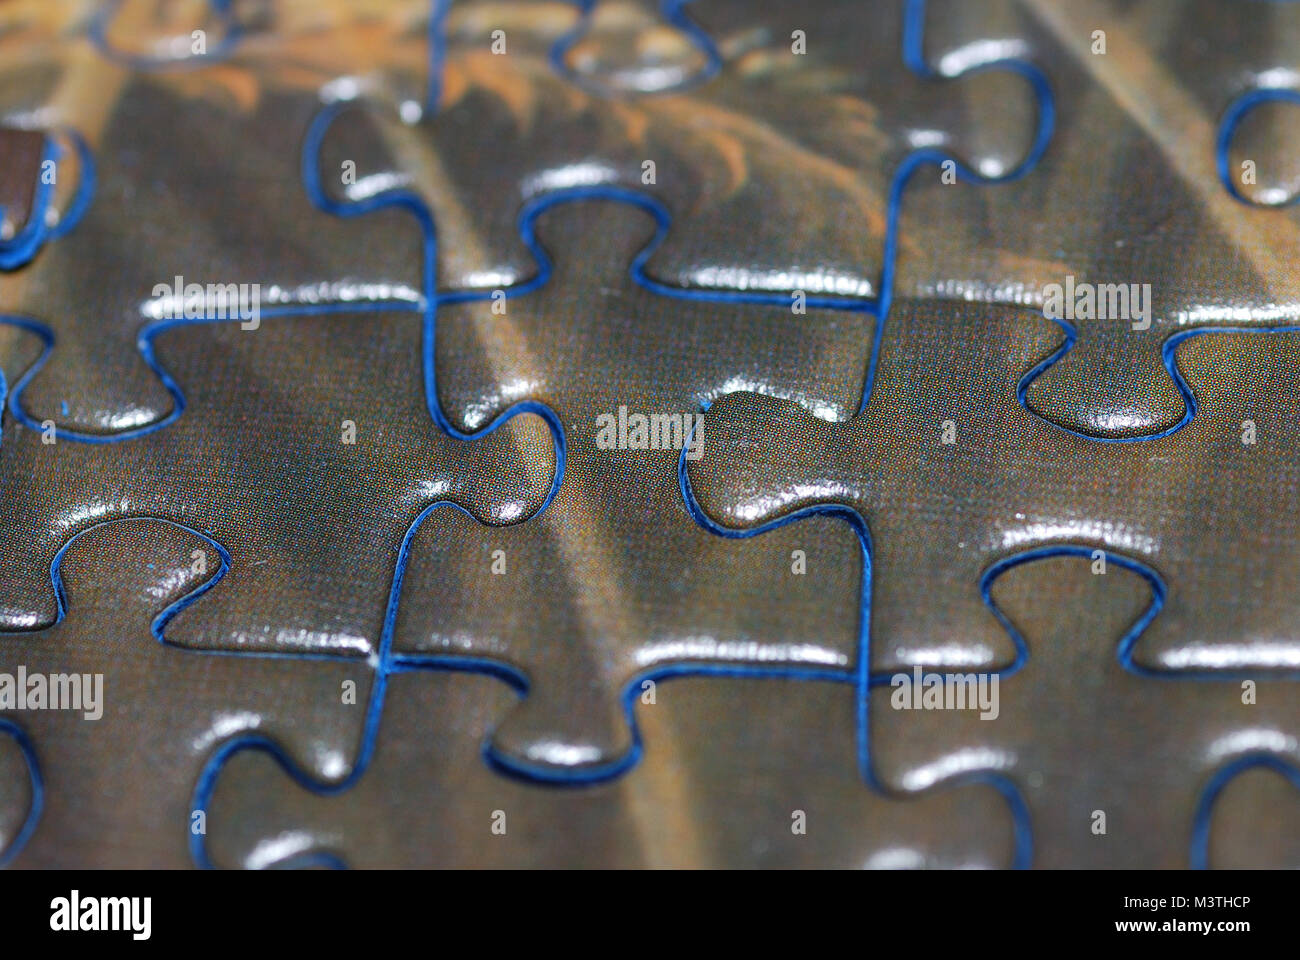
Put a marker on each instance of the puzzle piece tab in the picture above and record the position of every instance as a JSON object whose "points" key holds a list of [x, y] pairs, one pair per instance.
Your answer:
{"points": [[306, 448], [113, 759], [1126, 208], [1251, 824], [758, 773], [233, 217], [942, 512], [20, 790], [1258, 144], [626, 48], [777, 168], [1141, 749]]}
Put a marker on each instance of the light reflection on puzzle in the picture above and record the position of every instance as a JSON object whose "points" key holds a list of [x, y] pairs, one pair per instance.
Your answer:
{"points": [[571, 432]]}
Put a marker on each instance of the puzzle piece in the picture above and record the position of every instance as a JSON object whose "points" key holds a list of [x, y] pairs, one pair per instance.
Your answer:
{"points": [[778, 170], [729, 766], [157, 35], [564, 620], [226, 216], [839, 610], [1257, 123], [623, 48], [1251, 810], [1128, 194], [1141, 749], [20, 790], [594, 600], [307, 449], [941, 513], [115, 788], [20, 349], [21, 154], [33, 211]]}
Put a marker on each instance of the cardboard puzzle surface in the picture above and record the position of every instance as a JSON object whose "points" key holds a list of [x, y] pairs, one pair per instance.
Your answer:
{"points": [[649, 433]]}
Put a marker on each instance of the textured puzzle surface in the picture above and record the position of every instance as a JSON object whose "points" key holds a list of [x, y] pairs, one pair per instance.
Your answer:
{"points": [[649, 433]]}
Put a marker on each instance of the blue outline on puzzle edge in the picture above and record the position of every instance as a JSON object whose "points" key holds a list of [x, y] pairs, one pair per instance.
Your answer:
{"points": [[1282, 766], [1198, 843], [672, 11], [675, 11], [913, 56], [880, 304], [1237, 111], [36, 804], [1232, 117], [18, 250], [223, 10], [10, 727]]}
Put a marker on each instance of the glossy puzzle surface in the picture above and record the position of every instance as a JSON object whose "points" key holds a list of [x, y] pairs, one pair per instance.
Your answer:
{"points": [[649, 433]]}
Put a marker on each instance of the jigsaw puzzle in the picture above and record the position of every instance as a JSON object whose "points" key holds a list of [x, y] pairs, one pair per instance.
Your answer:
{"points": [[120, 583], [1128, 206], [779, 165], [648, 433], [942, 423], [782, 791], [311, 495], [258, 244]]}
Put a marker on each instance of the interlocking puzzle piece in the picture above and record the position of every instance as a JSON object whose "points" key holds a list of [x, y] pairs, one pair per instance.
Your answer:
{"points": [[1112, 762], [31, 211], [778, 170], [1253, 67], [758, 773], [307, 449], [20, 790], [126, 718], [838, 611], [633, 47], [225, 217], [1127, 196], [586, 604], [1250, 167], [156, 35], [562, 620], [1250, 808], [941, 513]]}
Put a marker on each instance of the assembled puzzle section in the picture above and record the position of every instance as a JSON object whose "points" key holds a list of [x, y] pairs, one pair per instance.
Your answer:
{"points": [[753, 772], [953, 475], [1126, 230], [776, 162], [1113, 762], [119, 720], [306, 449], [613, 581], [228, 232], [555, 352], [942, 524]]}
